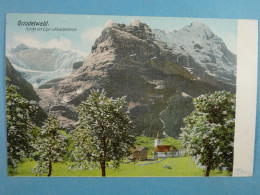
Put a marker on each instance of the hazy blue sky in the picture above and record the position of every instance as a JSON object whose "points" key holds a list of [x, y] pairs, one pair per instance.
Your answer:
{"points": [[89, 28]]}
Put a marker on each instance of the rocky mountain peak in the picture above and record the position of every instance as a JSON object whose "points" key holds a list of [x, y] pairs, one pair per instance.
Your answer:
{"points": [[157, 70], [20, 47], [114, 33], [201, 52], [198, 24], [141, 30], [196, 31]]}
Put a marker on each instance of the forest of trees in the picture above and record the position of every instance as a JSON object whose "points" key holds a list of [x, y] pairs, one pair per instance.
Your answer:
{"points": [[102, 134]]}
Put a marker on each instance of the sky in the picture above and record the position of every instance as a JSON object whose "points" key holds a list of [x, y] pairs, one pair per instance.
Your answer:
{"points": [[89, 28]]}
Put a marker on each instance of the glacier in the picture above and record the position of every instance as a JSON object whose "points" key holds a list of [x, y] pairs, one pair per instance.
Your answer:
{"points": [[39, 65]]}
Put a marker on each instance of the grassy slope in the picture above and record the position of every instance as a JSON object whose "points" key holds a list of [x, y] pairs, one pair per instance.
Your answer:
{"points": [[183, 166], [169, 67]]}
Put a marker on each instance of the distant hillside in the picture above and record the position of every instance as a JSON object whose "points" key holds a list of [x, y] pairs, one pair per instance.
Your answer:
{"points": [[25, 89]]}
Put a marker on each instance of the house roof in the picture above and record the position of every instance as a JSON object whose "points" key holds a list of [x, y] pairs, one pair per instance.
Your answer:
{"points": [[138, 149], [164, 148], [141, 148], [131, 157]]}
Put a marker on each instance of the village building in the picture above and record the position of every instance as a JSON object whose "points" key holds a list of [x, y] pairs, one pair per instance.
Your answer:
{"points": [[139, 153], [163, 151]]}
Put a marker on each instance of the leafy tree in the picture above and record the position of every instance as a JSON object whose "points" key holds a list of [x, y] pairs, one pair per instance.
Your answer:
{"points": [[19, 126], [208, 135], [102, 134], [50, 146]]}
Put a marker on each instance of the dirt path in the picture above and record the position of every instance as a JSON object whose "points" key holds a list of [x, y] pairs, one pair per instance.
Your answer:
{"points": [[151, 162]]}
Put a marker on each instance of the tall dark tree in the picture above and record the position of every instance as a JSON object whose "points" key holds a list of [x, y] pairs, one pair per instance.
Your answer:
{"points": [[102, 134], [208, 135]]}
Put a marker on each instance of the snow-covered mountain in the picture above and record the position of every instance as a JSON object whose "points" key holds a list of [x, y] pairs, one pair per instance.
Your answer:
{"points": [[159, 72], [39, 65], [200, 51], [158, 77]]}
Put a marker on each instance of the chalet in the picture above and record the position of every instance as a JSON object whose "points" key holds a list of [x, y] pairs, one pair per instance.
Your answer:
{"points": [[163, 151], [139, 153]]}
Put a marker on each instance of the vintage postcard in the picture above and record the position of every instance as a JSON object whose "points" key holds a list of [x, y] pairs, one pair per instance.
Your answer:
{"points": [[130, 96]]}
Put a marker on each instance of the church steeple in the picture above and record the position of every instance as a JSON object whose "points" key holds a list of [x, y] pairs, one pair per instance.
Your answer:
{"points": [[157, 140], [158, 135]]}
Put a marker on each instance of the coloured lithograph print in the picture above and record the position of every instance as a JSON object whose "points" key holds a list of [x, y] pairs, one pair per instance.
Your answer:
{"points": [[120, 96]]}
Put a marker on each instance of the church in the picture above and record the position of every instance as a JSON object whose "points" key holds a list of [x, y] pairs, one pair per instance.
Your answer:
{"points": [[164, 151]]}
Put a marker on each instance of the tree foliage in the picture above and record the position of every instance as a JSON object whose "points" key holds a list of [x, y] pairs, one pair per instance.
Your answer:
{"points": [[50, 146], [102, 134], [19, 126], [208, 135]]}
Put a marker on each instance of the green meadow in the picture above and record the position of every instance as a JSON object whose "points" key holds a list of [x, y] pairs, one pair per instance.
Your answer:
{"points": [[178, 166], [182, 166]]}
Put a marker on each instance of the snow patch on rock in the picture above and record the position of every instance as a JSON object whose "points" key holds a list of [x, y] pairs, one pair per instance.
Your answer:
{"points": [[79, 91], [135, 23], [209, 73], [64, 99], [159, 84], [185, 94], [109, 24]]}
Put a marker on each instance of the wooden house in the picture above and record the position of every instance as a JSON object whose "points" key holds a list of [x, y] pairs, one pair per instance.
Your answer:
{"points": [[139, 153]]}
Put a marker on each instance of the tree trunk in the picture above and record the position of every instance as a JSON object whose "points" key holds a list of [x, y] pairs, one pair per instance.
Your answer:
{"points": [[103, 161], [50, 168], [103, 168], [207, 171], [209, 163], [50, 162]]}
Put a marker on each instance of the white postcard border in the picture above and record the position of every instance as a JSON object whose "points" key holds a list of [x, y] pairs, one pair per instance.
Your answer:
{"points": [[246, 97]]}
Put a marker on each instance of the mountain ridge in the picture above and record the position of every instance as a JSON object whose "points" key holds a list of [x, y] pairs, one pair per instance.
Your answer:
{"points": [[203, 50], [128, 60]]}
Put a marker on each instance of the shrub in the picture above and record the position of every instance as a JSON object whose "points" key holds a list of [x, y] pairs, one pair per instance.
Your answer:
{"points": [[167, 166]]}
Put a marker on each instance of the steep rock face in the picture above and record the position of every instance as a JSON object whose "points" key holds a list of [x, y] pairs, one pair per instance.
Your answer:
{"points": [[179, 106], [201, 52], [15, 78], [38, 65], [25, 89], [127, 60], [77, 65]]}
